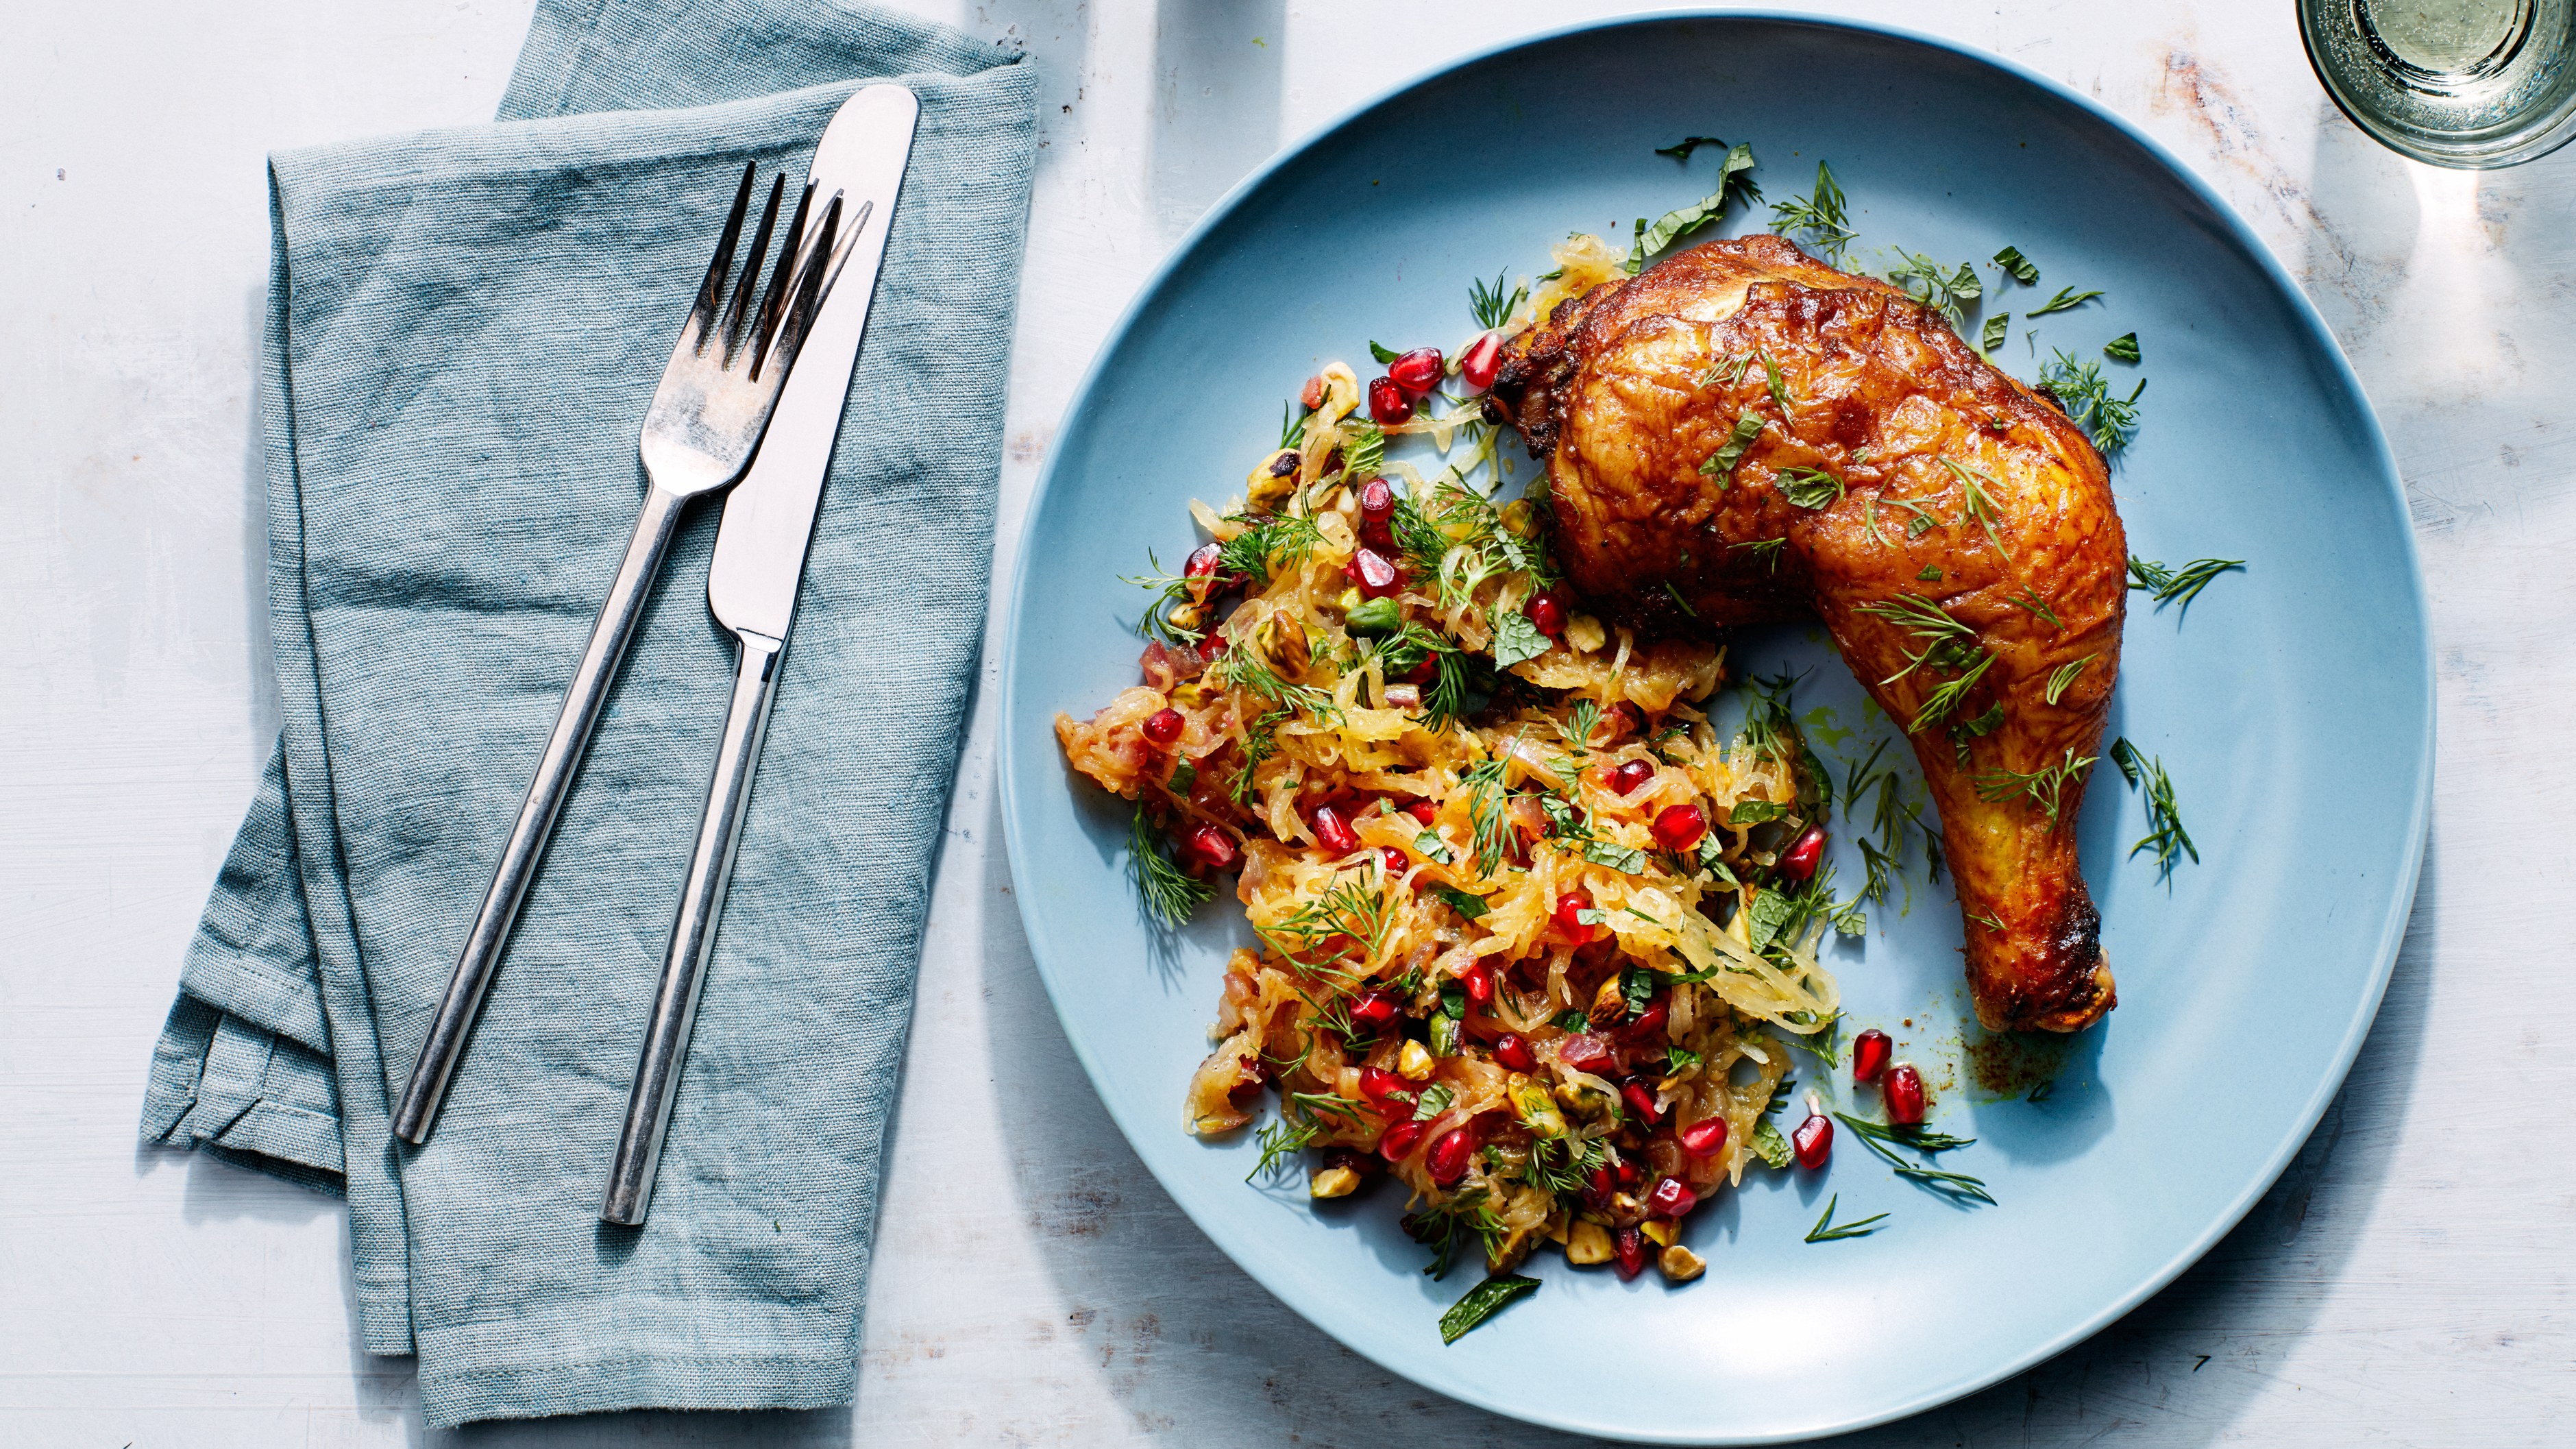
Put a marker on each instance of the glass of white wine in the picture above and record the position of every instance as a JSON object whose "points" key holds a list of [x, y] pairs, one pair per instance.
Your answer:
{"points": [[2463, 83]]}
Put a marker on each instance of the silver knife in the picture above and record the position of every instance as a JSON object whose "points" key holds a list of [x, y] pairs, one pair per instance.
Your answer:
{"points": [[759, 562]]}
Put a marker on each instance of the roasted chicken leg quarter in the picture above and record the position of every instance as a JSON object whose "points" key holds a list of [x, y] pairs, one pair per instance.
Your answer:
{"points": [[1741, 433]]}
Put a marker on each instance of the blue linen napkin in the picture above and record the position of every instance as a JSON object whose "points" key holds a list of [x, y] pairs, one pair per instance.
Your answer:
{"points": [[465, 327]]}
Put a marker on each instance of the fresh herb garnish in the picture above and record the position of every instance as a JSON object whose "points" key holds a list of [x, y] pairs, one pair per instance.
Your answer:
{"points": [[1946, 643], [1819, 216], [1491, 305], [1434, 1101], [1733, 184], [2085, 396], [2018, 267], [2180, 585], [1516, 639], [2066, 300], [1820, 1233], [1810, 488], [1381, 353], [1955, 1185], [2123, 348], [1464, 904], [2030, 602], [1755, 812], [1945, 290], [1280, 1142], [1486, 815], [1777, 386], [1170, 893], [2064, 675], [1997, 328], [1980, 504], [1445, 1227], [1482, 1302], [1766, 549], [1681, 150], [2044, 786], [1721, 464], [2165, 834]]}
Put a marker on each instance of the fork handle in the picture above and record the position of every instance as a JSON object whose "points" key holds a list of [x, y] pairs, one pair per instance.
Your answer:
{"points": [[583, 702], [693, 934]]}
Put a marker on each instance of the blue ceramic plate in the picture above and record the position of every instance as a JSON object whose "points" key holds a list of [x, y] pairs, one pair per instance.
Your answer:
{"points": [[2292, 706]]}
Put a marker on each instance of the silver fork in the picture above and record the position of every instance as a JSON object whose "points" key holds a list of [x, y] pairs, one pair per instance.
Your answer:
{"points": [[706, 419]]}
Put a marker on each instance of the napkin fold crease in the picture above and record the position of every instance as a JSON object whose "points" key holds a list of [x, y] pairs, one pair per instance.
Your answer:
{"points": [[464, 329]]}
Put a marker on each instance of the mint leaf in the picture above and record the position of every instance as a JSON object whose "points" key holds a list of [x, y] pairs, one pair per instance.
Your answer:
{"points": [[1516, 639]]}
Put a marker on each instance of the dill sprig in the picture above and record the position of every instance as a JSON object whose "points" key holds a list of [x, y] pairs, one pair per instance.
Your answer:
{"points": [[1175, 603], [1280, 1142], [1242, 669], [2084, 395], [2165, 834], [1766, 549], [1491, 305], [1170, 893], [1446, 1227], [1268, 541], [2182, 585], [1946, 643], [2030, 602], [1347, 909], [1486, 816], [2045, 786], [1877, 1139], [1973, 482], [1861, 1228], [1819, 217], [2065, 675], [1945, 290]]}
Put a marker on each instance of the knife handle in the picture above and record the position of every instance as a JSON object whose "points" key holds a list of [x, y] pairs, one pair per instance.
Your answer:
{"points": [[693, 934], [583, 702]]}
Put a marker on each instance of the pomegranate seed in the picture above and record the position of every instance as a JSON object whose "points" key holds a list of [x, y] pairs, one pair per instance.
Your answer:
{"points": [[1641, 1100], [1482, 359], [1387, 402], [1585, 1053], [1380, 1085], [1398, 1140], [1679, 827], [1377, 576], [1212, 847], [1627, 722], [1814, 1140], [1479, 982], [1203, 561], [1417, 372], [1257, 1071], [1869, 1055], [1630, 1245], [1211, 646], [1705, 1137], [1630, 775], [1597, 1187], [1377, 500], [1672, 1198], [1799, 861], [1311, 396], [1372, 1012], [1904, 1093], [1450, 1155], [1334, 833], [1648, 1024], [1630, 1174], [1164, 726], [1546, 613], [1515, 1054], [1569, 922], [1395, 861]]}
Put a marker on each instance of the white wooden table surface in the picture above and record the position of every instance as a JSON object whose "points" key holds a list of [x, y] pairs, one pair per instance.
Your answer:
{"points": [[2408, 1281]]}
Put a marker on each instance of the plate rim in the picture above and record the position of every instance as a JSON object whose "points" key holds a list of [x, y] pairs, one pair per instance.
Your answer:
{"points": [[2302, 308]]}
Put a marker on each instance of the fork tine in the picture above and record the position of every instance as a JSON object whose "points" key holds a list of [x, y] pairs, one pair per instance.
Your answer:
{"points": [[811, 283], [711, 292], [751, 269], [791, 252]]}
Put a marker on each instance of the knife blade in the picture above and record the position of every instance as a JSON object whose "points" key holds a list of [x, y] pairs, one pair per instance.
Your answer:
{"points": [[751, 587]]}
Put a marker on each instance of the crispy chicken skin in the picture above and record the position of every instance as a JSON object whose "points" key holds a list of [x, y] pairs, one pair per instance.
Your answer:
{"points": [[2006, 517]]}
